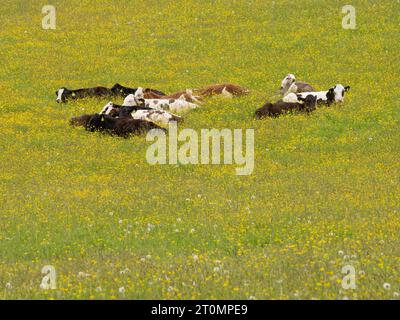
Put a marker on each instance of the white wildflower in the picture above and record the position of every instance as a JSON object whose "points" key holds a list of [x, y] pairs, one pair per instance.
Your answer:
{"points": [[386, 286]]}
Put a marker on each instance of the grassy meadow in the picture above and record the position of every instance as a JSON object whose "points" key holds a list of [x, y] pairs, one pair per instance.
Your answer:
{"points": [[324, 192]]}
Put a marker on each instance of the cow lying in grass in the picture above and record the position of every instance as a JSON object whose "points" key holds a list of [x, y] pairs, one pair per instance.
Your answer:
{"points": [[120, 90], [109, 109], [140, 113], [281, 107], [63, 94], [290, 85], [328, 97], [122, 127], [156, 116], [173, 105], [225, 89]]}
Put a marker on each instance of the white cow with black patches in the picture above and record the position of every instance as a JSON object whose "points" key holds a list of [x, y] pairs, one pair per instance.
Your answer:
{"points": [[334, 94], [153, 115], [157, 116]]}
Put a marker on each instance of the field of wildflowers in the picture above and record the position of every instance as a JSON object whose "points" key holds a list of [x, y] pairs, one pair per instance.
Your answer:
{"points": [[324, 192]]}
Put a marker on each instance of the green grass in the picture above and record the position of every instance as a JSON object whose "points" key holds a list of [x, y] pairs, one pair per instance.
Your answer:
{"points": [[324, 192]]}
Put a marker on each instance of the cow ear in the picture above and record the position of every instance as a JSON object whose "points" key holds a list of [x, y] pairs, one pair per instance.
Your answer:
{"points": [[347, 88]]}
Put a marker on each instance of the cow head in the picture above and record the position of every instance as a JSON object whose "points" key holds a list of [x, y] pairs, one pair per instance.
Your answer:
{"points": [[107, 108], [287, 82], [110, 109], [139, 96], [135, 100], [63, 94], [338, 91]]}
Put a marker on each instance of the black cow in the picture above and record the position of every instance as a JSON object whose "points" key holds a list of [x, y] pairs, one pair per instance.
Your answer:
{"points": [[122, 127], [280, 107], [64, 94]]}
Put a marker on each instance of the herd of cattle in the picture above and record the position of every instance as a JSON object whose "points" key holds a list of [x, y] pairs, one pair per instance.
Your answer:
{"points": [[147, 109]]}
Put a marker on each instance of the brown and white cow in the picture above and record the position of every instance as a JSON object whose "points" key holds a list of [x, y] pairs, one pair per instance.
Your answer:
{"points": [[224, 89]]}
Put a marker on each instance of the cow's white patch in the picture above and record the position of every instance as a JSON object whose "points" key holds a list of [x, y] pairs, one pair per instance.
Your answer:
{"points": [[292, 89], [321, 95], [173, 105], [158, 116], [287, 82], [291, 98], [339, 91], [59, 94], [130, 101], [226, 93], [133, 100], [139, 94], [107, 108], [191, 97]]}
